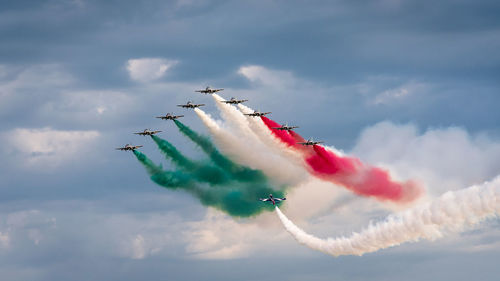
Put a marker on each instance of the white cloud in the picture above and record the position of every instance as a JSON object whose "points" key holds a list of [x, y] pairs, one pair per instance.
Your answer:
{"points": [[138, 247], [148, 69], [398, 93], [445, 159], [46, 146], [24, 226], [267, 77]]}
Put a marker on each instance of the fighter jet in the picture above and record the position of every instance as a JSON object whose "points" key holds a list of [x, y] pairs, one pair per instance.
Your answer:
{"points": [[190, 104], [233, 101], [170, 116], [285, 127], [310, 142], [209, 90], [257, 113], [147, 132], [272, 199], [129, 147]]}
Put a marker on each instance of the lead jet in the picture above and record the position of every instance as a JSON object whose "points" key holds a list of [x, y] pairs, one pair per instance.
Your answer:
{"points": [[147, 132], [310, 142], [209, 90], [272, 199], [256, 113], [170, 116], [190, 104], [129, 147], [285, 127], [233, 101]]}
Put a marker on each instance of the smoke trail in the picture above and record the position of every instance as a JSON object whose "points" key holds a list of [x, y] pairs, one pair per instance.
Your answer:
{"points": [[360, 178], [167, 179], [349, 172], [451, 212], [169, 150], [237, 199], [201, 171], [249, 146], [237, 171], [284, 136], [262, 131]]}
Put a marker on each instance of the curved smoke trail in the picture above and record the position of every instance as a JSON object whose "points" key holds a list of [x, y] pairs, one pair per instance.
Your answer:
{"points": [[451, 212], [238, 199], [201, 171], [237, 171], [347, 171], [263, 157], [262, 131]]}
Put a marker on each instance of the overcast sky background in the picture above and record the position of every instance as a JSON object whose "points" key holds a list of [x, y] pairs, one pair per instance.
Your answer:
{"points": [[409, 85]]}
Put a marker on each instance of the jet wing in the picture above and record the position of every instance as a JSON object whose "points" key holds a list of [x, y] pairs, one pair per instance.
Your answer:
{"points": [[279, 199], [264, 199]]}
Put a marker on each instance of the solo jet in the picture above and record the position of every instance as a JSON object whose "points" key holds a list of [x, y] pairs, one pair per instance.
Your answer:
{"points": [[233, 101], [256, 113], [272, 199], [310, 142], [170, 116], [190, 104], [285, 127], [147, 132], [129, 147], [209, 90]]}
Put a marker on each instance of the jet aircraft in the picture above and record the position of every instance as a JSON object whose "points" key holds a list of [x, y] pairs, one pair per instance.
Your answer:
{"points": [[257, 113], [147, 132], [234, 101], [170, 116], [209, 90], [190, 104], [129, 147], [285, 127], [310, 142], [272, 199]]}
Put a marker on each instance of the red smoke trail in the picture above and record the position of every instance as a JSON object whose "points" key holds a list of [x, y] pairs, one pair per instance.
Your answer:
{"points": [[348, 171], [284, 136]]}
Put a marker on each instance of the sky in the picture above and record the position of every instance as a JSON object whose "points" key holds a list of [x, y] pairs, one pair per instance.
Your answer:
{"points": [[411, 86]]}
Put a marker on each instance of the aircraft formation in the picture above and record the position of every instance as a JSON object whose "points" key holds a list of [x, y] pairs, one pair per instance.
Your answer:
{"points": [[233, 101]]}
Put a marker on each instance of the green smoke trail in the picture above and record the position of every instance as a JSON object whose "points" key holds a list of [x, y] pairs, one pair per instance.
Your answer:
{"points": [[167, 179], [238, 172], [172, 152], [238, 199], [201, 171]]}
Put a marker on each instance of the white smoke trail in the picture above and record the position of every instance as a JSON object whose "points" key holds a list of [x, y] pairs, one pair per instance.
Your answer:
{"points": [[451, 212], [235, 119], [276, 164], [252, 153], [265, 135]]}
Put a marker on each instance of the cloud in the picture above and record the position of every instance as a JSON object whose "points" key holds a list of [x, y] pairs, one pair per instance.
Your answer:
{"points": [[266, 77], [20, 83], [398, 93], [148, 69], [444, 158], [138, 247], [47, 147], [4, 240]]}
